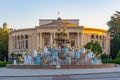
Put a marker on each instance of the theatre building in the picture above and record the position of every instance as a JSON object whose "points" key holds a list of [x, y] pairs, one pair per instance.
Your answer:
{"points": [[30, 39]]}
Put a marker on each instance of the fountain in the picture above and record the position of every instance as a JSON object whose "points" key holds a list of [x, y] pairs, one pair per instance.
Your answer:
{"points": [[60, 55], [61, 41]]}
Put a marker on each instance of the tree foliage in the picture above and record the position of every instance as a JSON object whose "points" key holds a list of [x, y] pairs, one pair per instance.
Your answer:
{"points": [[105, 56], [3, 43], [114, 29], [95, 47], [118, 55], [13, 55], [115, 46], [19, 55], [114, 24]]}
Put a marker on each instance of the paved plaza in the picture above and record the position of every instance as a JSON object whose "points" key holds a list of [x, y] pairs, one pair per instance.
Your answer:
{"points": [[60, 74], [53, 72], [103, 76]]}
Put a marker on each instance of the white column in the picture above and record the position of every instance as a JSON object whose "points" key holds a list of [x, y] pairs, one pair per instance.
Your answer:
{"points": [[51, 39], [105, 43], [24, 42], [17, 43], [78, 38], [10, 48], [37, 40], [82, 43], [54, 35], [41, 40], [68, 36], [30, 42], [20, 42], [13, 42]]}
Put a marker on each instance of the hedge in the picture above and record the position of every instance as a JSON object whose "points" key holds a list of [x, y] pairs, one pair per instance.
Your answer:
{"points": [[116, 61], [3, 64]]}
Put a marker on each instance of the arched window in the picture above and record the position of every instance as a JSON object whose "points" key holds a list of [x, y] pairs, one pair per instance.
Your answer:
{"points": [[100, 37], [96, 36], [21, 37], [92, 36], [26, 36]]}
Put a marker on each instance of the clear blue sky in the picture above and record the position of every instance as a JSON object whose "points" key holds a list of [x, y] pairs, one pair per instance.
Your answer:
{"points": [[26, 13]]}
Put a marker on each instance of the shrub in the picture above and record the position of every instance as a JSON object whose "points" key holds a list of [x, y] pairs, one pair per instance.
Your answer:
{"points": [[13, 55], [18, 55], [3, 64], [95, 47], [116, 61], [105, 56], [118, 55]]}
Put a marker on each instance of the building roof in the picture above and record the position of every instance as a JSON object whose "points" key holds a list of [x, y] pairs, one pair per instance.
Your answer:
{"points": [[59, 21], [94, 31]]}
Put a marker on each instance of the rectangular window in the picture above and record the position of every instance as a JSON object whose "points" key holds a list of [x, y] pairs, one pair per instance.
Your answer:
{"points": [[19, 44], [23, 44], [15, 43], [46, 41], [26, 44]]}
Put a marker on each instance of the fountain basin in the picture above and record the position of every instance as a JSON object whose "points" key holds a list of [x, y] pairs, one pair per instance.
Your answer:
{"points": [[80, 66]]}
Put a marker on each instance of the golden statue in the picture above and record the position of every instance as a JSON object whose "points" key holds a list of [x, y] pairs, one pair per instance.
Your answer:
{"points": [[44, 60], [69, 61], [59, 30], [38, 52], [55, 48], [20, 59], [69, 58], [64, 31], [54, 45]]}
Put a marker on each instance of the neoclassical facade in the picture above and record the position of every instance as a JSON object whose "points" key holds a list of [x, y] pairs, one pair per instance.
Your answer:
{"points": [[31, 39]]}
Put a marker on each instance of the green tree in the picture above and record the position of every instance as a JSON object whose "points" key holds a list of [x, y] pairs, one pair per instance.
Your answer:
{"points": [[3, 43], [95, 47], [13, 55], [114, 29], [1, 56], [118, 55], [18, 55], [114, 24], [105, 56], [89, 45], [114, 47]]}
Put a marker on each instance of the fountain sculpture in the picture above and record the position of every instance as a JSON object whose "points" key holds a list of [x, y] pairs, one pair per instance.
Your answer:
{"points": [[60, 53]]}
